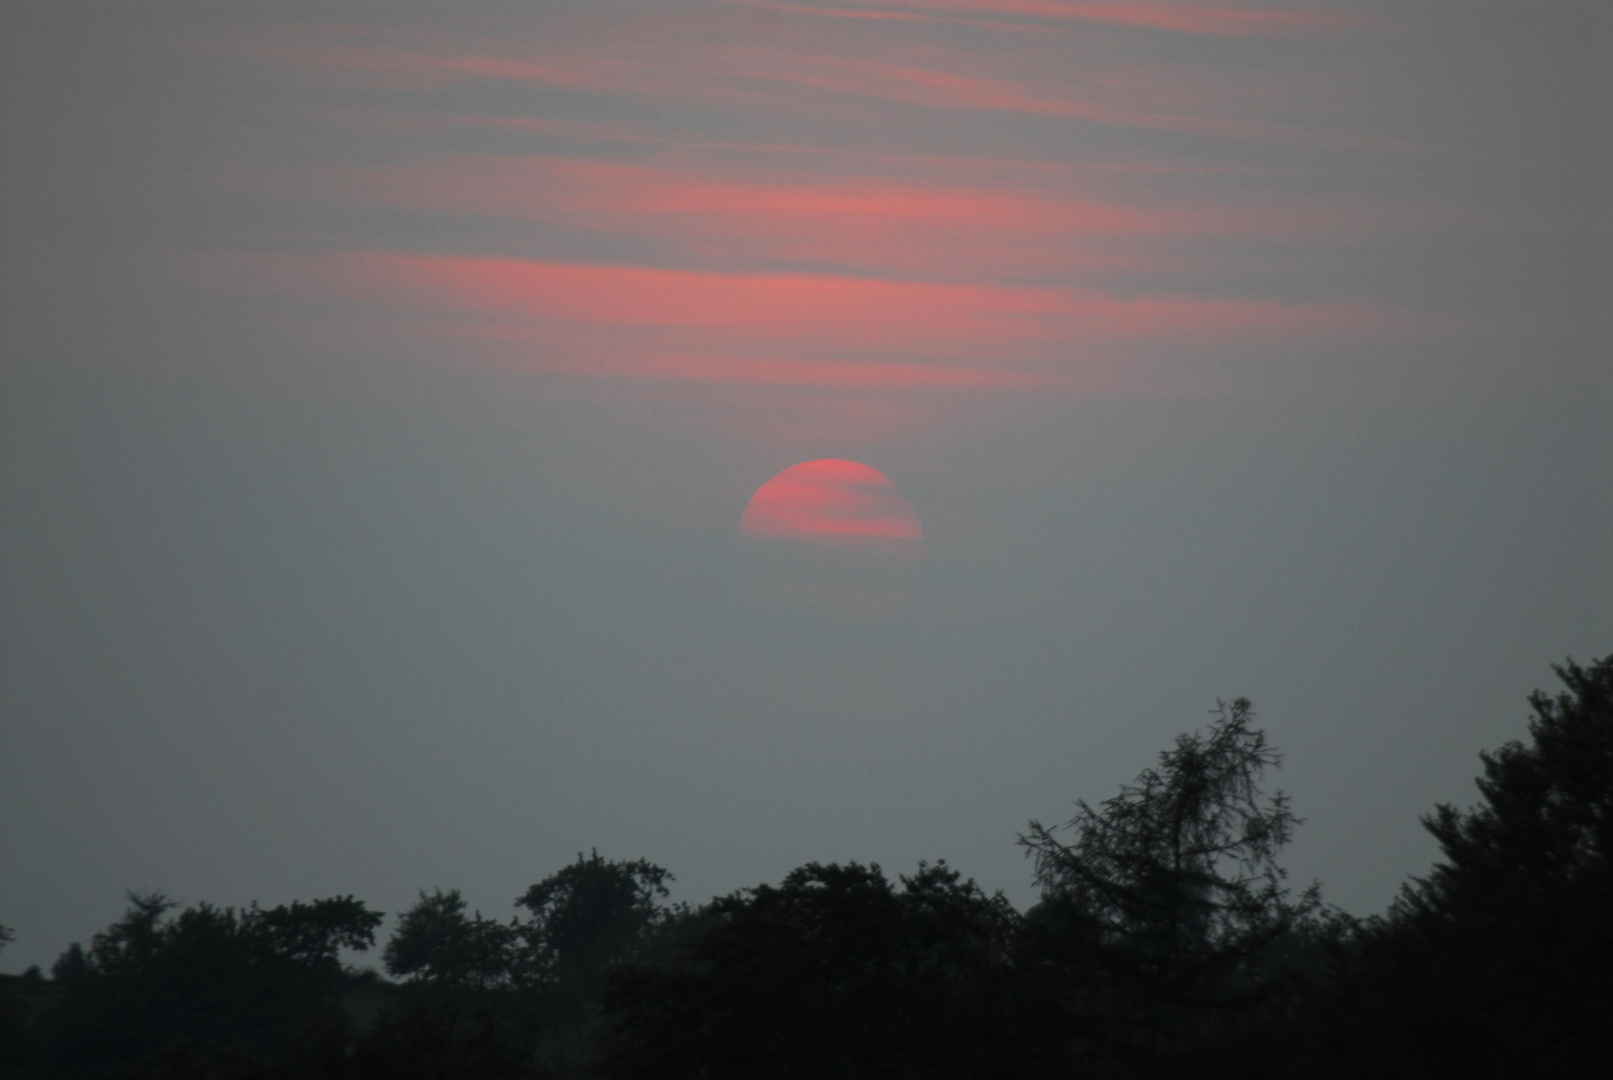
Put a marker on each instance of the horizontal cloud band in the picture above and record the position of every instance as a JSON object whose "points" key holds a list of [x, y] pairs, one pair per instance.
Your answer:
{"points": [[814, 312]]}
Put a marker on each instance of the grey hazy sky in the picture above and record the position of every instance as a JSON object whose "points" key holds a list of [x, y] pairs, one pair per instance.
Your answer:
{"points": [[381, 386]]}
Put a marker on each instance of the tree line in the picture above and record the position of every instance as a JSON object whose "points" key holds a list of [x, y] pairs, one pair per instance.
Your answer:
{"points": [[1167, 942]]}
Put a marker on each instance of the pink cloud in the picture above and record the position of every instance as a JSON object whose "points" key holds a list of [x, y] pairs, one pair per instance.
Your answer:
{"points": [[781, 307], [861, 223], [804, 313], [839, 374]]}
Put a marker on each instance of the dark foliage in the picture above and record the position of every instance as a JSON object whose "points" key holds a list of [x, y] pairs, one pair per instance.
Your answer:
{"points": [[1500, 962], [591, 915], [438, 945], [448, 1036], [1165, 925], [16, 1043], [182, 992], [487, 999], [834, 972], [1166, 944]]}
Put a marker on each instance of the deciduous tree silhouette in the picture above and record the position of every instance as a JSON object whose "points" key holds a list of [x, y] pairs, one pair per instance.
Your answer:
{"points": [[204, 980], [438, 945], [832, 973], [589, 915], [519, 998]]}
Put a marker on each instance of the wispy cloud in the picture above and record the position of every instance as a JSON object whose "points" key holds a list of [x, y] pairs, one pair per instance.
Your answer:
{"points": [[827, 374], [822, 314], [426, 62], [1135, 103], [1184, 18], [716, 210], [741, 74], [871, 223]]}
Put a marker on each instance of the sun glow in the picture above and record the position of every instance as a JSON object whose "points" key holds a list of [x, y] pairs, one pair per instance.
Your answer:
{"points": [[836, 503]]}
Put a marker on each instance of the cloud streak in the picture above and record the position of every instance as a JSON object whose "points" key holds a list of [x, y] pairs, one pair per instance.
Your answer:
{"points": [[812, 315], [741, 73], [865, 223], [1214, 20], [826, 206]]}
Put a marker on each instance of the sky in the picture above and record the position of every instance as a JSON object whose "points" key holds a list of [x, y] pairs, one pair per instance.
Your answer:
{"points": [[383, 385]]}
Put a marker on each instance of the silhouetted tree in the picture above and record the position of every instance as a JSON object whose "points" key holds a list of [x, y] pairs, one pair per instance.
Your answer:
{"points": [[832, 973], [71, 965], [204, 982], [437, 944], [1499, 962], [589, 915], [1163, 912], [1166, 943], [519, 998], [471, 1013], [17, 1046]]}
